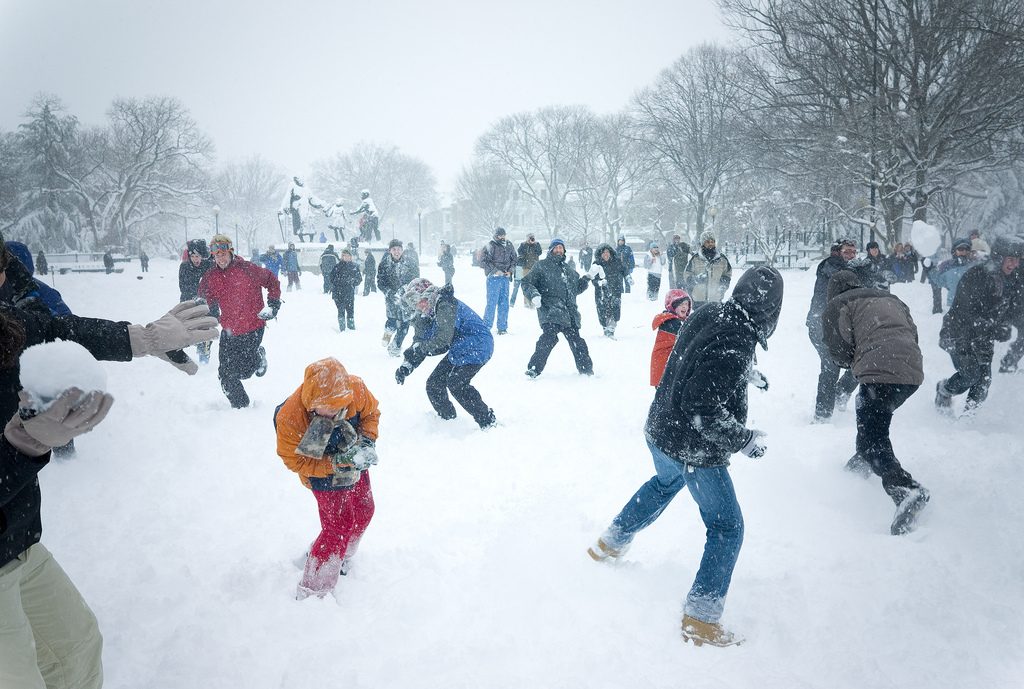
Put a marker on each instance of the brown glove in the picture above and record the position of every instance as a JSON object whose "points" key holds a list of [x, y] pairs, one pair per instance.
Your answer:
{"points": [[70, 415]]}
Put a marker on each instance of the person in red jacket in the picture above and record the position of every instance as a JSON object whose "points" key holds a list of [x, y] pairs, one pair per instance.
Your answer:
{"points": [[677, 309], [234, 290]]}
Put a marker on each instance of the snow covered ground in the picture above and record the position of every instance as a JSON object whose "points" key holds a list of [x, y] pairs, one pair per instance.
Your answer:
{"points": [[181, 526]]}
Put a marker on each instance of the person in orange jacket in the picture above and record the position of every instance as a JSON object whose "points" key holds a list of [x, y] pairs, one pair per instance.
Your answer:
{"points": [[338, 476], [677, 310]]}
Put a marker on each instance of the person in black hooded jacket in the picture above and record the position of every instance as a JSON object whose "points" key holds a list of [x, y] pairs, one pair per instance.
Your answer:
{"points": [[696, 422], [834, 385]]}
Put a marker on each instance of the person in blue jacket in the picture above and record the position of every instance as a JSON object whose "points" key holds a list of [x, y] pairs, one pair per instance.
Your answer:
{"points": [[445, 325], [46, 294], [272, 260]]}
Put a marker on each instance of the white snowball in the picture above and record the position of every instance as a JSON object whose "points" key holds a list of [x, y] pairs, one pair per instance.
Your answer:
{"points": [[50, 368], [926, 238]]}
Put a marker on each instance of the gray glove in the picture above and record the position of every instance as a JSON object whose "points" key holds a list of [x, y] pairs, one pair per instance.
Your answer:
{"points": [[757, 379], [536, 301], [187, 324], [70, 415], [365, 456]]}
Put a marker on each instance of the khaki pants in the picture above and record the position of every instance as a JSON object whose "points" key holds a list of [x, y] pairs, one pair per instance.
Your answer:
{"points": [[48, 635]]}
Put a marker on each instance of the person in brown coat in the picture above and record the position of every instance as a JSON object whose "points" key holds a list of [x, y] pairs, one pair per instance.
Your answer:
{"points": [[871, 332]]}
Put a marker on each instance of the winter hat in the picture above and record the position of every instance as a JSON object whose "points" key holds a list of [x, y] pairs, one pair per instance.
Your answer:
{"points": [[674, 297], [653, 245], [556, 242], [330, 248], [346, 251], [707, 236], [21, 252], [499, 232], [960, 242], [418, 291], [395, 242], [198, 247], [222, 239], [871, 245]]}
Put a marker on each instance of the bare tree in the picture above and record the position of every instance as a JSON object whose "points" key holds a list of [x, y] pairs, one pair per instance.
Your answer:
{"points": [[486, 192], [543, 152], [690, 120], [919, 92], [248, 193], [400, 185]]}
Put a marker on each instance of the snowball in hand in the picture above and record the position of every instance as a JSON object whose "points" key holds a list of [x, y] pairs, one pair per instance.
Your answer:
{"points": [[50, 368]]}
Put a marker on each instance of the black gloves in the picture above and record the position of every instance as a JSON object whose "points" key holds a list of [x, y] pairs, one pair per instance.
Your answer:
{"points": [[402, 373], [270, 310]]}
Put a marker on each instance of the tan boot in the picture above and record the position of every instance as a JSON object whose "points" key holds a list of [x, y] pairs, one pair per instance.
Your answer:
{"points": [[712, 633], [601, 551]]}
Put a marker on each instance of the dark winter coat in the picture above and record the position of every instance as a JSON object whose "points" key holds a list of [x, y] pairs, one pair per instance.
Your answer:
{"points": [[626, 257], [557, 284], [393, 275], [498, 256], [46, 294], [20, 525], [871, 332], [290, 263], [586, 257], [328, 259], [42, 264], [453, 328], [108, 261], [614, 272], [344, 278], [699, 411], [982, 310], [529, 254], [446, 261], [190, 275], [370, 267], [819, 299], [678, 257]]}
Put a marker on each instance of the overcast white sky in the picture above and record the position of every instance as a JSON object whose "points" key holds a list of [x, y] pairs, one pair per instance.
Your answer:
{"points": [[301, 80]]}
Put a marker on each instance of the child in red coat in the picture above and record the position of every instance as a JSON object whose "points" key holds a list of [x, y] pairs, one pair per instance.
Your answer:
{"points": [[667, 323]]}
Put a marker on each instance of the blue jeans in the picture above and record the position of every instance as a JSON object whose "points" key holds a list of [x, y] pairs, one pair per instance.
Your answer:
{"points": [[497, 296], [712, 490]]}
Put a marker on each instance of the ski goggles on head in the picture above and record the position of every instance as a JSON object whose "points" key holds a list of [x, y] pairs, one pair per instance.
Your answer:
{"points": [[220, 246]]}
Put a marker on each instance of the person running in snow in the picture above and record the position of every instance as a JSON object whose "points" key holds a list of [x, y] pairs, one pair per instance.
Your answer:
{"points": [[343, 280], [608, 283], [553, 286], [369, 272], [445, 325], [695, 423], [369, 221], [328, 259], [654, 263], [667, 324], [326, 433], [708, 273], [290, 265], [834, 386], [870, 332], [498, 261], [981, 314], [190, 272], [394, 273], [234, 290], [625, 254]]}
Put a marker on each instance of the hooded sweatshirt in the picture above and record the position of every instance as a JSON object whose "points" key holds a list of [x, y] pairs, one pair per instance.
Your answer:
{"points": [[699, 411]]}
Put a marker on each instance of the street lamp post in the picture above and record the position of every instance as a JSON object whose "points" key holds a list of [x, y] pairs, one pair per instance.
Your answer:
{"points": [[216, 219], [712, 212]]}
